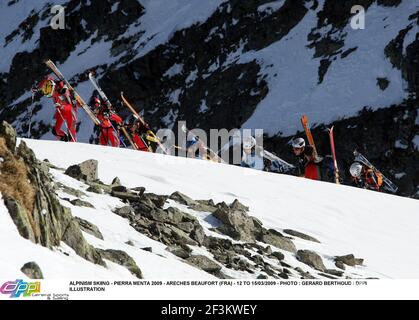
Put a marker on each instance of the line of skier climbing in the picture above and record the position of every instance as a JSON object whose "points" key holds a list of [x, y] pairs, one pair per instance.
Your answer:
{"points": [[137, 133]]}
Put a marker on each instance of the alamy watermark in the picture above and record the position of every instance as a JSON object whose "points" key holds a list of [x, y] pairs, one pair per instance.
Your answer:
{"points": [[220, 145], [358, 19], [58, 20]]}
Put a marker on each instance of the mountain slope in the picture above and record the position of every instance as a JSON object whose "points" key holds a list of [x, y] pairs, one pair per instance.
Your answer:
{"points": [[230, 64], [382, 229]]}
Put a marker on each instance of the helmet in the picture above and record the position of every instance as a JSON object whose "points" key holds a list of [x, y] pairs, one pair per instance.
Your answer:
{"points": [[298, 143], [47, 87], [355, 169], [249, 142]]}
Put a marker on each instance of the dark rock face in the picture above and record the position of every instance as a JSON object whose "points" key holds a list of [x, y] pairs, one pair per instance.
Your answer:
{"points": [[32, 270]]}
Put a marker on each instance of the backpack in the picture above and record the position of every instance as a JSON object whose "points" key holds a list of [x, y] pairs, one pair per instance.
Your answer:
{"points": [[327, 169]]}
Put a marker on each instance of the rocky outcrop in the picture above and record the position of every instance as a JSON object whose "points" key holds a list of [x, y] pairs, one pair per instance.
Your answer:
{"points": [[237, 224], [44, 220], [32, 270]]}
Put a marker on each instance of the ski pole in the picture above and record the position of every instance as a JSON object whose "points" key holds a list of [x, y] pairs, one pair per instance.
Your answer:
{"points": [[66, 125], [30, 116], [116, 132]]}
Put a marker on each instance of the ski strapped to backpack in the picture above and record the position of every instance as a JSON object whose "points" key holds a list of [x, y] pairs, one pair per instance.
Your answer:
{"points": [[304, 122], [151, 136], [79, 99], [388, 185], [335, 163], [109, 104], [282, 165]]}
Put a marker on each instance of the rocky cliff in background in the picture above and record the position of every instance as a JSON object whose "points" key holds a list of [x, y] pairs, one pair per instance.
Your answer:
{"points": [[197, 74]]}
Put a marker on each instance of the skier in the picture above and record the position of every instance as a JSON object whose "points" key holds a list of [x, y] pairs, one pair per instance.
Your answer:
{"points": [[312, 166], [298, 147], [109, 123], [65, 106], [139, 133], [365, 177], [193, 144], [252, 155]]}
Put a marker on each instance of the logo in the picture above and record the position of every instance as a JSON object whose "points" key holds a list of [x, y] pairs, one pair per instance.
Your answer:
{"points": [[20, 288]]}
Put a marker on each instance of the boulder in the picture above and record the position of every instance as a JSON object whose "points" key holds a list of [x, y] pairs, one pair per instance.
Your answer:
{"points": [[81, 203], [275, 239], [119, 188], [300, 235], [32, 270], [86, 171], [154, 199], [95, 189], [198, 234], [71, 191], [182, 199], [116, 182], [126, 196], [123, 259], [89, 228], [311, 259], [204, 205], [340, 265], [237, 224], [125, 211], [236, 205], [204, 263], [349, 260], [179, 252], [277, 255]]}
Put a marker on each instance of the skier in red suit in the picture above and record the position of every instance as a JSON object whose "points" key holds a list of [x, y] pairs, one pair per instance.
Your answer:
{"points": [[108, 132], [139, 133], [65, 107]]}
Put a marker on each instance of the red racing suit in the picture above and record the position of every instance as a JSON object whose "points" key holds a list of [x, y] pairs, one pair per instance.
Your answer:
{"points": [[108, 134], [65, 112]]}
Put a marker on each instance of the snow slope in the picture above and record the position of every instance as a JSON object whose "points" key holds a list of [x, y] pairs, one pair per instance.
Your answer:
{"points": [[382, 229]]}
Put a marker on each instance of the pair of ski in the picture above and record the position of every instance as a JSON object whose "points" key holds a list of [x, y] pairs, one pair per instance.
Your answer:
{"points": [[151, 135], [388, 184], [304, 122], [86, 107]]}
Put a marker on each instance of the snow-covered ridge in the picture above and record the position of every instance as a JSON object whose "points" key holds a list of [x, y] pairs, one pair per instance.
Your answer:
{"points": [[381, 229]]}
